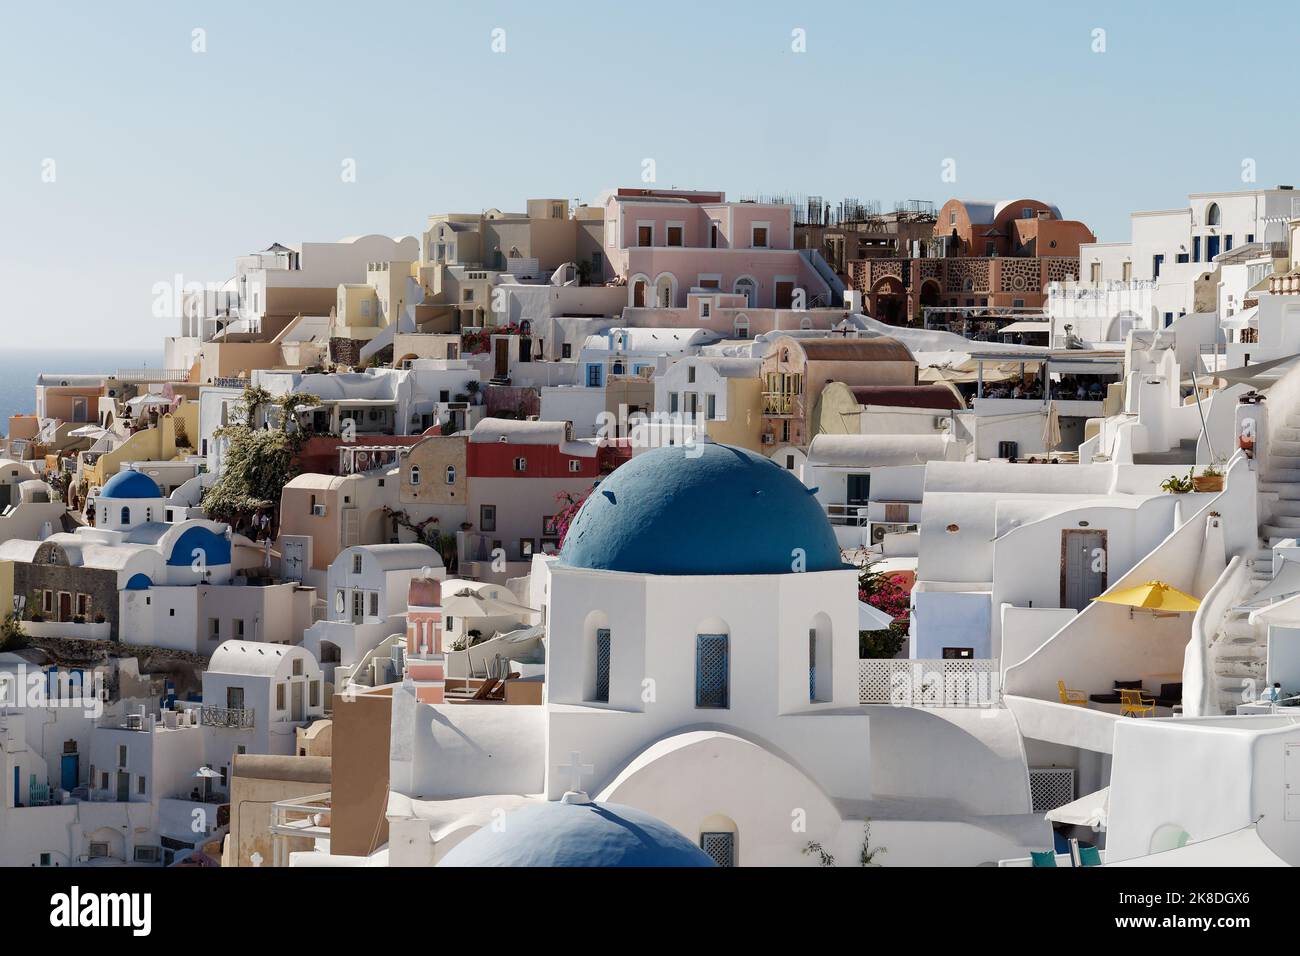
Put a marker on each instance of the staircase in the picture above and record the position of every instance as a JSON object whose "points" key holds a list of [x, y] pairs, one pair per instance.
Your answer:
{"points": [[1239, 653]]}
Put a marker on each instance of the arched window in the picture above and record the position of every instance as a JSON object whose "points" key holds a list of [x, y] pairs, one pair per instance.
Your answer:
{"points": [[126, 516], [740, 327], [805, 322], [713, 666], [1212, 215], [597, 651], [415, 474], [821, 688], [451, 474], [749, 289]]}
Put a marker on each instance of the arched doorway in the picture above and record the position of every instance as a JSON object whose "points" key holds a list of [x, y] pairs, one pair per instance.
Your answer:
{"points": [[931, 295], [888, 301], [666, 290], [748, 287]]}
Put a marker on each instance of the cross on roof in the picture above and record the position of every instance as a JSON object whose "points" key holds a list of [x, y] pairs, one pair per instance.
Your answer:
{"points": [[576, 770]]}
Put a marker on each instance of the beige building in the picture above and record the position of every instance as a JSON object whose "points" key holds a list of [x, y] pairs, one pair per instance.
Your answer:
{"points": [[796, 370], [258, 781], [876, 409]]}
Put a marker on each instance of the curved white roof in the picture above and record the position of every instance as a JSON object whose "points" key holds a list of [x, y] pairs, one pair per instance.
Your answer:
{"points": [[253, 658], [398, 557], [877, 451]]}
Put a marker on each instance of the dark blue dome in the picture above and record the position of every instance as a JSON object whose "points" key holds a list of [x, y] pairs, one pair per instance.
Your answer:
{"points": [[130, 484], [215, 548], [702, 509], [577, 834]]}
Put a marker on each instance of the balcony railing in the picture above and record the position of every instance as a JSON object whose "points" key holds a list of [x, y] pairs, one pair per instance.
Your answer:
{"points": [[778, 403], [972, 682], [235, 718], [174, 376]]}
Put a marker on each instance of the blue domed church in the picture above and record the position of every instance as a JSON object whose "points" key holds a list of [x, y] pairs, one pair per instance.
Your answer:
{"points": [[701, 668], [139, 577]]}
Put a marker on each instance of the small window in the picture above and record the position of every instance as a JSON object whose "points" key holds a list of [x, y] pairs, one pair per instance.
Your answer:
{"points": [[525, 549], [760, 237], [720, 847], [239, 628], [674, 235], [313, 695], [356, 564], [521, 464], [297, 667], [279, 697], [575, 466], [141, 785], [121, 755], [645, 235], [487, 517], [690, 373], [712, 671], [214, 628], [566, 350], [374, 612], [451, 474], [415, 474], [126, 516], [601, 695]]}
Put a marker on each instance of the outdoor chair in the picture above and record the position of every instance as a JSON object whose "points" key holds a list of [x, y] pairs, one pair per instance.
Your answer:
{"points": [[1068, 696], [1133, 704]]}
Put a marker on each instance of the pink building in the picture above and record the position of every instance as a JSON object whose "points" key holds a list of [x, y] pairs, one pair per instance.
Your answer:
{"points": [[667, 242], [425, 663]]}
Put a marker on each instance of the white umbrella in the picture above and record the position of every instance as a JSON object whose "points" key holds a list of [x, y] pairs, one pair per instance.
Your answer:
{"points": [[1089, 811], [1052, 427], [88, 431], [871, 618]]}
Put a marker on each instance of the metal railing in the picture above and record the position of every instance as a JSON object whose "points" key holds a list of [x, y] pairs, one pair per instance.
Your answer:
{"points": [[236, 718]]}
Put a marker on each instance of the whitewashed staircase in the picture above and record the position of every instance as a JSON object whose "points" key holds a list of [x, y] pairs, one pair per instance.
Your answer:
{"points": [[1239, 652]]}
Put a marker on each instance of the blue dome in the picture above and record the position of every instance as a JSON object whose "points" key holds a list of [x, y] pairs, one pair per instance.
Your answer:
{"points": [[704, 509], [139, 582], [577, 834], [130, 484], [215, 548]]}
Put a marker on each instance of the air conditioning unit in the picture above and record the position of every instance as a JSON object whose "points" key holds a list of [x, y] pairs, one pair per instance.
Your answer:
{"points": [[941, 423], [318, 511]]}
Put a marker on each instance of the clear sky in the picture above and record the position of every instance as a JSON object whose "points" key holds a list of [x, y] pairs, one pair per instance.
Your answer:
{"points": [[169, 161]]}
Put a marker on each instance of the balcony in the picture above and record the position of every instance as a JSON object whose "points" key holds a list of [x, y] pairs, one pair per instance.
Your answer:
{"points": [[779, 403], [173, 376], [232, 718]]}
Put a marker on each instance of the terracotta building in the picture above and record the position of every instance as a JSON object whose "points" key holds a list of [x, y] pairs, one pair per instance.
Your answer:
{"points": [[982, 254]]}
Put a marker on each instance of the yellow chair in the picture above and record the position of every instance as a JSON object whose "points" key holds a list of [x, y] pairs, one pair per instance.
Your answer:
{"points": [[1076, 697], [1133, 704]]}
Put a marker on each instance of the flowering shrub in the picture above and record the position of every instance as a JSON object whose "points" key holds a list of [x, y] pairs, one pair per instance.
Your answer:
{"points": [[888, 593], [564, 517], [476, 343]]}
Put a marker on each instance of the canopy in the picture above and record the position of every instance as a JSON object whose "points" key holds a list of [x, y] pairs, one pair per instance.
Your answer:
{"points": [[1246, 318], [1153, 596], [1239, 848], [88, 431], [469, 604], [1089, 811]]}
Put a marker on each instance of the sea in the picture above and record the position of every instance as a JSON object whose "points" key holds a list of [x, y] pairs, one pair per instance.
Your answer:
{"points": [[19, 368]]}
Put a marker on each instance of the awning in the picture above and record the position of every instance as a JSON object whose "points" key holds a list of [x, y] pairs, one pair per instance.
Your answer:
{"points": [[1239, 848], [871, 618], [1089, 811], [1045, 327]]}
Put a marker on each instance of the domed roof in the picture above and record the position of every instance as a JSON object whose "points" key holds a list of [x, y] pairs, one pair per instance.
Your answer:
{"points": [[130, 484], [702, 509], [577, 834]]}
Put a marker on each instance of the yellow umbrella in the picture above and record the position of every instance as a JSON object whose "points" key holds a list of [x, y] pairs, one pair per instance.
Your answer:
{"points": [[1152, 596]]}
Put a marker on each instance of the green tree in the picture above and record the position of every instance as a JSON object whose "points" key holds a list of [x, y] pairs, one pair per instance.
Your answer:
{"points": [[258, 462]]}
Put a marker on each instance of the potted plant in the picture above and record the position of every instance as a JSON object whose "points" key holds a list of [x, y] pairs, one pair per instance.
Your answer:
{"points": [[1177, 486], [1210, 479]]}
